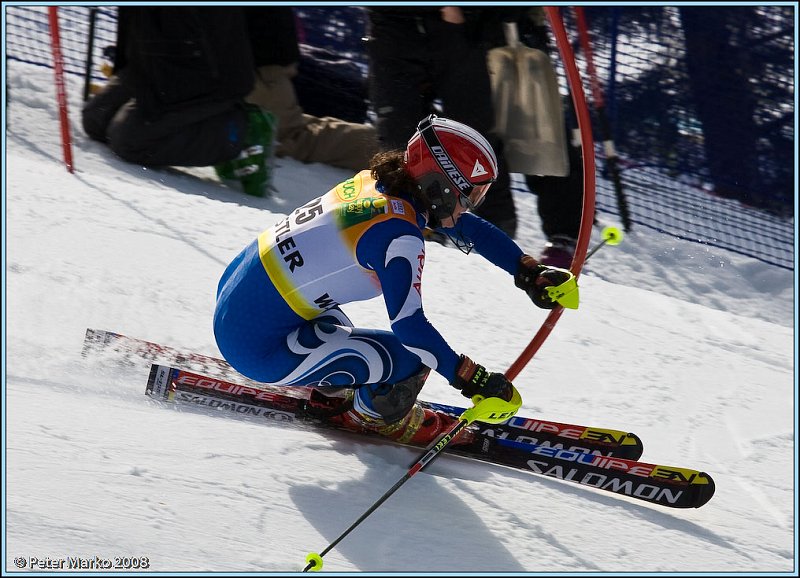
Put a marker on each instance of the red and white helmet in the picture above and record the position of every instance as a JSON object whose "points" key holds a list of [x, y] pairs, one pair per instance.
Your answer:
{"points": [[452, 163]]}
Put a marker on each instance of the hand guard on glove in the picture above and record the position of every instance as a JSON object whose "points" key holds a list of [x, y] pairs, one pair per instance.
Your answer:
{"points": [[473, 379], [534, 278]]}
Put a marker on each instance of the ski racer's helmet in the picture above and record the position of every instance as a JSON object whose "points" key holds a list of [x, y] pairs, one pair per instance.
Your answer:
{"points": [[451, 163]]}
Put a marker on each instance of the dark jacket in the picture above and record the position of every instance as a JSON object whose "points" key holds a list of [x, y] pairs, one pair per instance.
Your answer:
{"points": [[273, 35], [483, 25], [180, 56]]}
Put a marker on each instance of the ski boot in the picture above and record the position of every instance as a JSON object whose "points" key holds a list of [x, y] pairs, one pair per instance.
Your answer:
{"points": [[252, 170], [391, 410], [558, 252]]}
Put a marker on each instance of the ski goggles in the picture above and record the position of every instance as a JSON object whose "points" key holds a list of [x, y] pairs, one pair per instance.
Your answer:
{"points": [[475, 197]]}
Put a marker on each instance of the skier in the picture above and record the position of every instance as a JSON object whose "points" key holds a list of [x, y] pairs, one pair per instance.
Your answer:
{"points": [[278, 318]]}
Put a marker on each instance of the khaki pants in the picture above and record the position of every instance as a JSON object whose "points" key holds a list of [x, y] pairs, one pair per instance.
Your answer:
{"points": [[307, 138]]}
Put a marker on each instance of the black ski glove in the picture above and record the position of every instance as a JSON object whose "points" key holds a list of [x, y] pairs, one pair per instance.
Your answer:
{"points": [[533, 278], [473, 379]]}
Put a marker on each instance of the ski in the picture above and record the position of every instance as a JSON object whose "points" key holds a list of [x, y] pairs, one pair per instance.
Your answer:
{"points": [[571, 437], [669, 486]]}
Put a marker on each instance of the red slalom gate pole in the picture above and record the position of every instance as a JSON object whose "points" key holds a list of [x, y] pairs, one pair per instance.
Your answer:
{"points": [[587, 218], [61, 90]]}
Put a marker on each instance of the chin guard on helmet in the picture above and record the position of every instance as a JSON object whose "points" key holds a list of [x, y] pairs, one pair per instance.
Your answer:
{"points": [[441, 201]]}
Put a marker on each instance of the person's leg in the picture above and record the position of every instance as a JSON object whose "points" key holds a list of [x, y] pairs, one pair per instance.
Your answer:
{"points": [[560, 198], [463, 84], [560, 206], [385, 376], [197, 136], [99, 110], [329, 351], [274, 91], [308, 138]]}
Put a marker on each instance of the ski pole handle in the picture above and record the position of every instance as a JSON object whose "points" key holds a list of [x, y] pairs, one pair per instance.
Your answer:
{"points": [[492, 409], [566, 294]]}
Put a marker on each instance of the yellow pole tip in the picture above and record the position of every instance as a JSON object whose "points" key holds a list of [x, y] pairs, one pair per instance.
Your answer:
{"points": [[612, 235], [314, 561]]}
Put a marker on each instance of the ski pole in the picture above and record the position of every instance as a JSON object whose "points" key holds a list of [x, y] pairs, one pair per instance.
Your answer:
{"points": [[489, 410], [611, 235], [566, 294]]}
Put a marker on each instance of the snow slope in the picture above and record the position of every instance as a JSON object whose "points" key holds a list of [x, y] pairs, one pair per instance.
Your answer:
{"points": [[691, 348]]}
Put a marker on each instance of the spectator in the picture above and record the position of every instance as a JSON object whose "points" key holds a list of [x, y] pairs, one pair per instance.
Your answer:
{"points": [[176, 95], [421, 57], [307, 138], [560, 198]]}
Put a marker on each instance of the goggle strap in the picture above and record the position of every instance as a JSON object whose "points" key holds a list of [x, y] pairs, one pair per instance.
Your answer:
{"points": [[432, 141]]}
